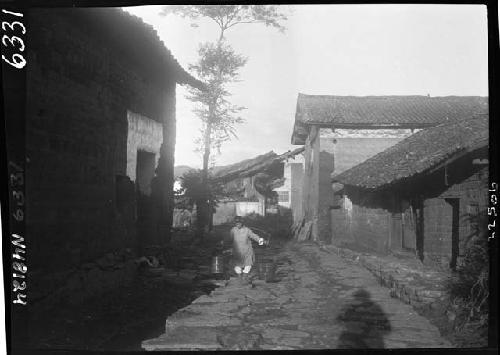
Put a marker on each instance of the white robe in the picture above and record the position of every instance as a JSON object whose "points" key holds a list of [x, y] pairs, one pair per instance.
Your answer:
{"points": [[242, 246]]}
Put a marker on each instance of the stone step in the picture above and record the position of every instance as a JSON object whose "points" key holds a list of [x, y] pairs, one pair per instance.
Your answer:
{"points": [[184, 338]]}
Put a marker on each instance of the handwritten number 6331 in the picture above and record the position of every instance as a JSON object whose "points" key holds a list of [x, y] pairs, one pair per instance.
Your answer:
{"points": [[17, 60]]}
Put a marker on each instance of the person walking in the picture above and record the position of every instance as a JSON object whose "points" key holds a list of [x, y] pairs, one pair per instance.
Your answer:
{"points": [[243, 255]]}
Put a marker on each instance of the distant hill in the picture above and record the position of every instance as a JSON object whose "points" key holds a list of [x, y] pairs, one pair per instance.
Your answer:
{"points": [[180, 170]]}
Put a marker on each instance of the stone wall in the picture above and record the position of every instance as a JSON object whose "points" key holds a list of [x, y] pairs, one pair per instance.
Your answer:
{"points": [[80, 88]]}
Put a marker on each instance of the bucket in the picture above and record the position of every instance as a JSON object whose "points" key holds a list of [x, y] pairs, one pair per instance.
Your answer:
{"points": [[217, 265]]}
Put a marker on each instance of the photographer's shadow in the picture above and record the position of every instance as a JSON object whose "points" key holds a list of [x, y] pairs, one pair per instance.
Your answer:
{"points": [[365, 323]]}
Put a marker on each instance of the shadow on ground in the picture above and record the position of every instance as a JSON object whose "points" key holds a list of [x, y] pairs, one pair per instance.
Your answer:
{"points": [[365, 323]]}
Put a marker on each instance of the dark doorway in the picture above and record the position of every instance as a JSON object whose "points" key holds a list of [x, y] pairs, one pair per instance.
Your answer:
{"points": [[408, 226], [455, 205], [145, 170], [419, 227]]}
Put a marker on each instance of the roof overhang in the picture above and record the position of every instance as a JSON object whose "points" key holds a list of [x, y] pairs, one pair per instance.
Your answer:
{"points": [[476, 148], [301, 131]]}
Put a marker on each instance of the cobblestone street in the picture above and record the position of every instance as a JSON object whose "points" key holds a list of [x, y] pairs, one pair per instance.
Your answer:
{"points": [[318, 301]]}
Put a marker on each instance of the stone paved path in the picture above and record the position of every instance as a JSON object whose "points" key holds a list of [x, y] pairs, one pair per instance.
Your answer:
{"points": [[321, 302]]}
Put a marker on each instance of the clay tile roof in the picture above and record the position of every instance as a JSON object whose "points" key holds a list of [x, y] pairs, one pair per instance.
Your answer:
{"points": [[387, 111], [418, 153], [250, 167], [231, 171], [134, 38]]}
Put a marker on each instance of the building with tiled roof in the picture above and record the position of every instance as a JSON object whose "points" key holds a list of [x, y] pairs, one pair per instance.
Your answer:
{"points": [[248, 185], [423, 197], [360, 112], [100, 125], [251, 166], [339, 132]]}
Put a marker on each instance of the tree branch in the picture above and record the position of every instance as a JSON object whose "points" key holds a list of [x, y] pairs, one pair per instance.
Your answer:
{"points": [[241, 22]]}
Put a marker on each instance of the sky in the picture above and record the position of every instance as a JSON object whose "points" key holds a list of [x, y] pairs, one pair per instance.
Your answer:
{"points": [[333, 50]]}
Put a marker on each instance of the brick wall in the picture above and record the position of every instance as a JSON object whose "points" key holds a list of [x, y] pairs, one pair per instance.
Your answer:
{"points": [[472, 192], [79, 89], [437, 231]]}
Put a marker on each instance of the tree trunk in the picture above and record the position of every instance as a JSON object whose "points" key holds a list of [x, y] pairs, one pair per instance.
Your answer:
{"points": [[203, 208], [165, 172]]}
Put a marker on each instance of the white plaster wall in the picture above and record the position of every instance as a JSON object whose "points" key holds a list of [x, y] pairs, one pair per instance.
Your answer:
{"points": [[244, 208], [143, 134], [287, 174]]}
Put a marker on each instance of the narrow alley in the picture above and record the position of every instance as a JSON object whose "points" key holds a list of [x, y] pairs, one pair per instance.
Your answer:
{"points": [[316, 301], [248, 177]]}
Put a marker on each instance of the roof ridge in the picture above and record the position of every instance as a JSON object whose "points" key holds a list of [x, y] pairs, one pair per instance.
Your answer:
{"points": [[189, 78], [388, 96]]}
